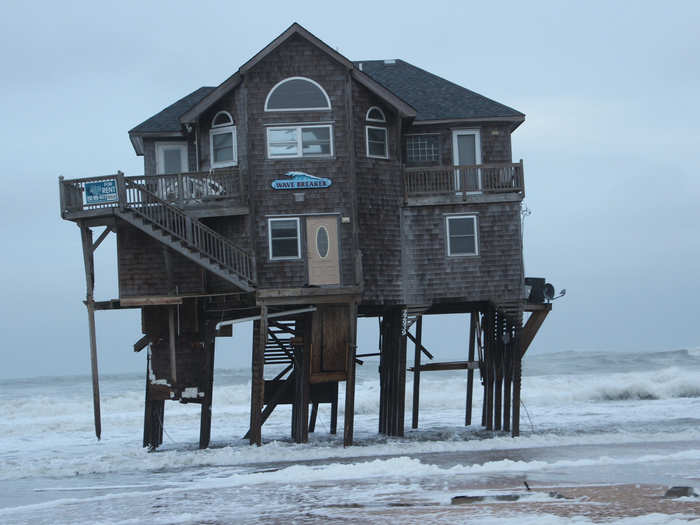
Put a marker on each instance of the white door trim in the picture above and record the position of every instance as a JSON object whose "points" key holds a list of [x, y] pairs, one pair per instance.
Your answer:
{"points": [[477, 152]]}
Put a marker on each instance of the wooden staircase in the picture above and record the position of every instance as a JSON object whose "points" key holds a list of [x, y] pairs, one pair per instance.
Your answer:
{"points": [[187, 236], [282, 336]]}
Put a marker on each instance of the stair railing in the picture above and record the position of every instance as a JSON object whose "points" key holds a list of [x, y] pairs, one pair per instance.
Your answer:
{"points": [[192, 232]]}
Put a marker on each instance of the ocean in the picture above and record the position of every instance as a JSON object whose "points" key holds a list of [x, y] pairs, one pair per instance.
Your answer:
{"points": [[591, 421]]}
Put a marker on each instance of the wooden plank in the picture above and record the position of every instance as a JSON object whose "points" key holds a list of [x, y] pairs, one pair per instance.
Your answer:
{"points": [[142, 343], [448, 365], [130, 302], [172, 345], [86, 235], [423, 349], [257, 381], [101, 238], [470, 373], [205, 416], [531, 328], [314, 414], [416, 370]]}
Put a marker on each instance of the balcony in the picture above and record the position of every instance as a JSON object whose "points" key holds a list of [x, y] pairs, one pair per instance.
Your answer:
{"points": [[454, 184], [200, 194]]}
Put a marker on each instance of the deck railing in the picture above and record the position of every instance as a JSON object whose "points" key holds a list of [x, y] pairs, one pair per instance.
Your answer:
{"points": [[180, 189], [464, 180]]}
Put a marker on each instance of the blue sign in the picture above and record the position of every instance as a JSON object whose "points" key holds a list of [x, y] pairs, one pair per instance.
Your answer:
{"points": [[300, 181], [101, 191]]}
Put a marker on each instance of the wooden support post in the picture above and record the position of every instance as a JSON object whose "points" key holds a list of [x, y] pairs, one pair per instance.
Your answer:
{"points": [[350, 380], [334, 411], [517, 371], [489, 351], [498, 399], [392, 374], [470, 371], [154, 411], [86, 235], [257, 380], [506, 387], [416, 371], [205, 417], [172, 344], [300, 408], [312, 420]]}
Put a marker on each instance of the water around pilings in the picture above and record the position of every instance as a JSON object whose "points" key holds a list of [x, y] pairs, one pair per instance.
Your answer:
{"points": [[588, 418]]}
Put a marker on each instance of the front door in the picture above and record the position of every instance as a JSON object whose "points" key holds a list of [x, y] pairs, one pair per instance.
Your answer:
{"points": [[466, 155], [322, 250]]}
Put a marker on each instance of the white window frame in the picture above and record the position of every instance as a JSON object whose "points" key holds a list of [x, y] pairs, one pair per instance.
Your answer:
{"points": [[160, 159], [383, 119], [476, 234], [299, 153], [269, 238], [386, 142], [328, 100], [477, 151], [222, 129]]}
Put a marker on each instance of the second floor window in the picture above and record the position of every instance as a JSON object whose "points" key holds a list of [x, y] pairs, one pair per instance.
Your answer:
{"points": [[300, 141], [376, 136], [222, 141], [422, 149]]}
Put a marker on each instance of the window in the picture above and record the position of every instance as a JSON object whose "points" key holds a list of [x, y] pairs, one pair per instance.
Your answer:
{"points": [[284, 238], [462, 236], [377, 143], [222, 141], [374, 114], [422, 148], [297, 94], [376, 137], [171, 157], [299, 141]]}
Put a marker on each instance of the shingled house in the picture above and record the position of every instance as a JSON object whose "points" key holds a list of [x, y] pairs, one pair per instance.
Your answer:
{"points": [[303, 191]]}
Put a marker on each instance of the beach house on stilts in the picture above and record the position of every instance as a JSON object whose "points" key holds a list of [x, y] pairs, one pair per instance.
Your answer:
{"points": [[302, 192]]}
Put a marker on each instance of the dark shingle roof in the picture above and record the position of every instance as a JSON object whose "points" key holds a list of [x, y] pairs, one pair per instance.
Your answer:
{"points": [[169, 119], [433, 97]]}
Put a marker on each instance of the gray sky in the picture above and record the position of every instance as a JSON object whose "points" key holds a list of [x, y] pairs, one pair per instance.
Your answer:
{"points": [[610, 146]]}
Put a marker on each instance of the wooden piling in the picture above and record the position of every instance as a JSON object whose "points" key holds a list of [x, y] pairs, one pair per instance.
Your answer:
{"points": [[334, 411], [257, 380], [172, 342], [392, 373], [88, 258], [314, 415], [205, 417], [350, 379]]}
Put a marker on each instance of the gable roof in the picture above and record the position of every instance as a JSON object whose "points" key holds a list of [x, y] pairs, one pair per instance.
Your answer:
{"points": [[295, 29], [433, 97], [166, 121]]}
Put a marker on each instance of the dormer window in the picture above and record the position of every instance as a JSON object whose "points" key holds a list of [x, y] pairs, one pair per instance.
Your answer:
{"points": [[222, 140], [376, 136], [297, 94]]}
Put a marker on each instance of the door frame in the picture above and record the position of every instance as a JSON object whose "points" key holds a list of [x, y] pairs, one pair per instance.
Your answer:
{"points": [[311, 238], [160, 161]]}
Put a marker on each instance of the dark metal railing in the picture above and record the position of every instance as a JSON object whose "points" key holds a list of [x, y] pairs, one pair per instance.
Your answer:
{"points": [[464, 180]]}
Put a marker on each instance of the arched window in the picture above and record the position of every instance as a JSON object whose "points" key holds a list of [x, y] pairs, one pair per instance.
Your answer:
{"points": [[374, 114], [376, 137], [297, 94], [222, 141]]}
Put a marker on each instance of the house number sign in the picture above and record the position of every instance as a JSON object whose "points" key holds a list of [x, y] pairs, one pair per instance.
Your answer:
{"points": [[299, 180]]}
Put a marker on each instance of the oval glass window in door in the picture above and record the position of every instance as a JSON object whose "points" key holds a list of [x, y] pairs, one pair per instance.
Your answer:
{"points": [[322, 241]]}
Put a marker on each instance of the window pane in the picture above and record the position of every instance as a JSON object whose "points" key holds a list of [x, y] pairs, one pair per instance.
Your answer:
{"points": [[222, 144], [283, 228], [283, 234], [467, 150], [461, 226], [282, 135], [297, 94], [284, 248], [322, 241], [316, 141], [375, 114], [462, 245], [282, 150], [172, 160], [376, 135], [221, 119]]}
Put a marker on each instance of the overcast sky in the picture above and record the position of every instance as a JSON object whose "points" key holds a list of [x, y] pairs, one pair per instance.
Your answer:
{"points": [[610, 146]]}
